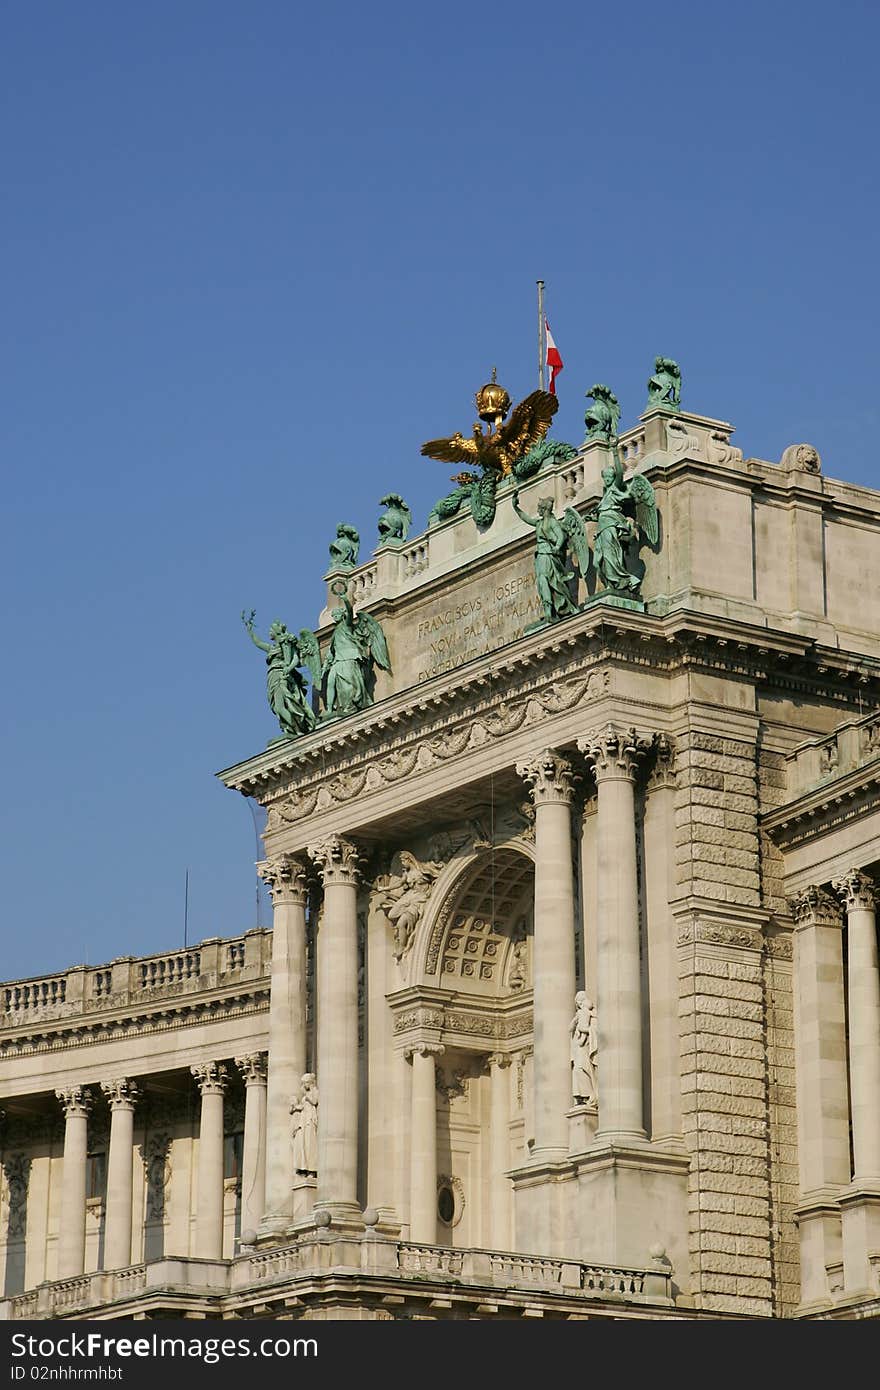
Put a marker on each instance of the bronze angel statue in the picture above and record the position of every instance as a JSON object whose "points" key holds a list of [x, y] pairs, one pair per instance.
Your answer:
{"points": [[285, 686], [625, 516], [495, 450], [554, 538], [348, 675]]}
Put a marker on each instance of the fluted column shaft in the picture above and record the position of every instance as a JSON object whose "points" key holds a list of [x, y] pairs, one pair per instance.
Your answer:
{"points": [[549, 777], [211, 1078], [863, 981], [122, 1098], [76, 1101], [253, 1162], [499, 1151], [614, 755], [337, 1025], [286, 876], [423, 1143]]}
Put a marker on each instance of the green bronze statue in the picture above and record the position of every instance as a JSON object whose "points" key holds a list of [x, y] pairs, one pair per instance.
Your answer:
{"points": [[549, 451], [664, 387], [554, 538], [285, 686], [603, 416], [356, 648], [344, 549], [625, 516], [395, 521]]}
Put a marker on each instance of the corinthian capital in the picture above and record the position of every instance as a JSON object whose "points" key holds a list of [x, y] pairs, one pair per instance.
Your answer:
{"points": [[549, 777], [337, 860], [75, 1100], [211, 1078], [814, 907], [120, 1094], [424, 1049], [613, 751], [286, 877], [856, 889], [252, 1068]]}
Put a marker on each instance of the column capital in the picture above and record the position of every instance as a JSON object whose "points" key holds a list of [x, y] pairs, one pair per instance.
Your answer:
{"points": [[662, 772], [286, 878], [549, 777], [424, 1049], [121, 1094], [814, 907], [857, 889], [337, 859], [211, 1077], [75, 1100], [253, 1068], [614, 751], [499, 1060]]}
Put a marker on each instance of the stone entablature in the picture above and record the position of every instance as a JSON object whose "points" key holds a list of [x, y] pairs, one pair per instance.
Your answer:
{"points": [[135, 980]]}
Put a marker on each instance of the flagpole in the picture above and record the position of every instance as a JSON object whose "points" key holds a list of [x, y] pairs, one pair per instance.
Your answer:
{"points": [[541, 349]]}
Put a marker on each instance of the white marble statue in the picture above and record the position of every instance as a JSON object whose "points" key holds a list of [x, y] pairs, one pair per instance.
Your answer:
{"points": [[584, 1084], [305, 1128]]}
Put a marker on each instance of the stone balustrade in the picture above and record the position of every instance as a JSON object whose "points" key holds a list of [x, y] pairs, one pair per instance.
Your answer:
{"points": [[128, 980], [816, 761]]}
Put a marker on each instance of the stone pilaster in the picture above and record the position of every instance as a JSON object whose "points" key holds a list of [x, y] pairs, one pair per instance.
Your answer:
{"points": [[614, 754], [253, 1174], [122, 1097], [662, 958], [211, 1078], [821, 1078], [423, 1142], [76, 1102], [861, 1205], [337, 861], [499, 1151], [549, 778], [286, 877]]}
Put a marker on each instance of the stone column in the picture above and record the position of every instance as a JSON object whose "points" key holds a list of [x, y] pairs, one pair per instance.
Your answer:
{"points": [[499, 1151], [614, 754], [76, 1102], [337, 861], [550, 780], [211, 1078], [820, 1074], [286, 877], [122, 1096], [423, 1143], [863, 981], [253, 1166], [662, 953]]}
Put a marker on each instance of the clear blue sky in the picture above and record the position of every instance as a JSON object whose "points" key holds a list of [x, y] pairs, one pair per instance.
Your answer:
{"points": [[253, 255]]}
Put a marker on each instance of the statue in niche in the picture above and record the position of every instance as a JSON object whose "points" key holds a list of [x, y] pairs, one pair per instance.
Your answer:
{"points": [[518, 974], [285, 687], [553, 540], [664, 387], [344, 549], [626, 514], [356, 648], [395, 521], [405, 895], [584, 1047], [305, 1128], [603, 416]]}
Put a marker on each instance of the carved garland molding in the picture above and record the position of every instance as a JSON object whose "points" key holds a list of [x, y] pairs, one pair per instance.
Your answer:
{"points": [[476, 1024]]}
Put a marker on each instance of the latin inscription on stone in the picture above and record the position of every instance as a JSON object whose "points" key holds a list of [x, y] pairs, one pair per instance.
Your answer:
{"points": [[482, 618]]}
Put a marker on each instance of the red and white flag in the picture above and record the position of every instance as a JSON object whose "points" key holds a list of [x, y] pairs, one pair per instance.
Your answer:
{"points": [[554, 360]]}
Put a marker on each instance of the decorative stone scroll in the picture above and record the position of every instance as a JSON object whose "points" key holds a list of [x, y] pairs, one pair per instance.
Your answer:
{"points": [[337, 860]]}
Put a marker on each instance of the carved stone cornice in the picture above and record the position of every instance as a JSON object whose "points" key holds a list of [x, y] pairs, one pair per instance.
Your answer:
{"points": [[254, 1068], [211, 1078], [614, 752], [286, 876], [424, 1049], [857, 889], [814, 907], [121, 1094], [548, 776], [337, 860], [76, 1101], [847, 798]]}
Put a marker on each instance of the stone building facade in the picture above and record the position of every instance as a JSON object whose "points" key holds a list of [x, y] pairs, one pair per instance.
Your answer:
{"points": [[672, 806]]}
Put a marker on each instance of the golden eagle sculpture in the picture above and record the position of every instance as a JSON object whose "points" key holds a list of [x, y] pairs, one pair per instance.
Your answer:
{"points": [[500, 445]]}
